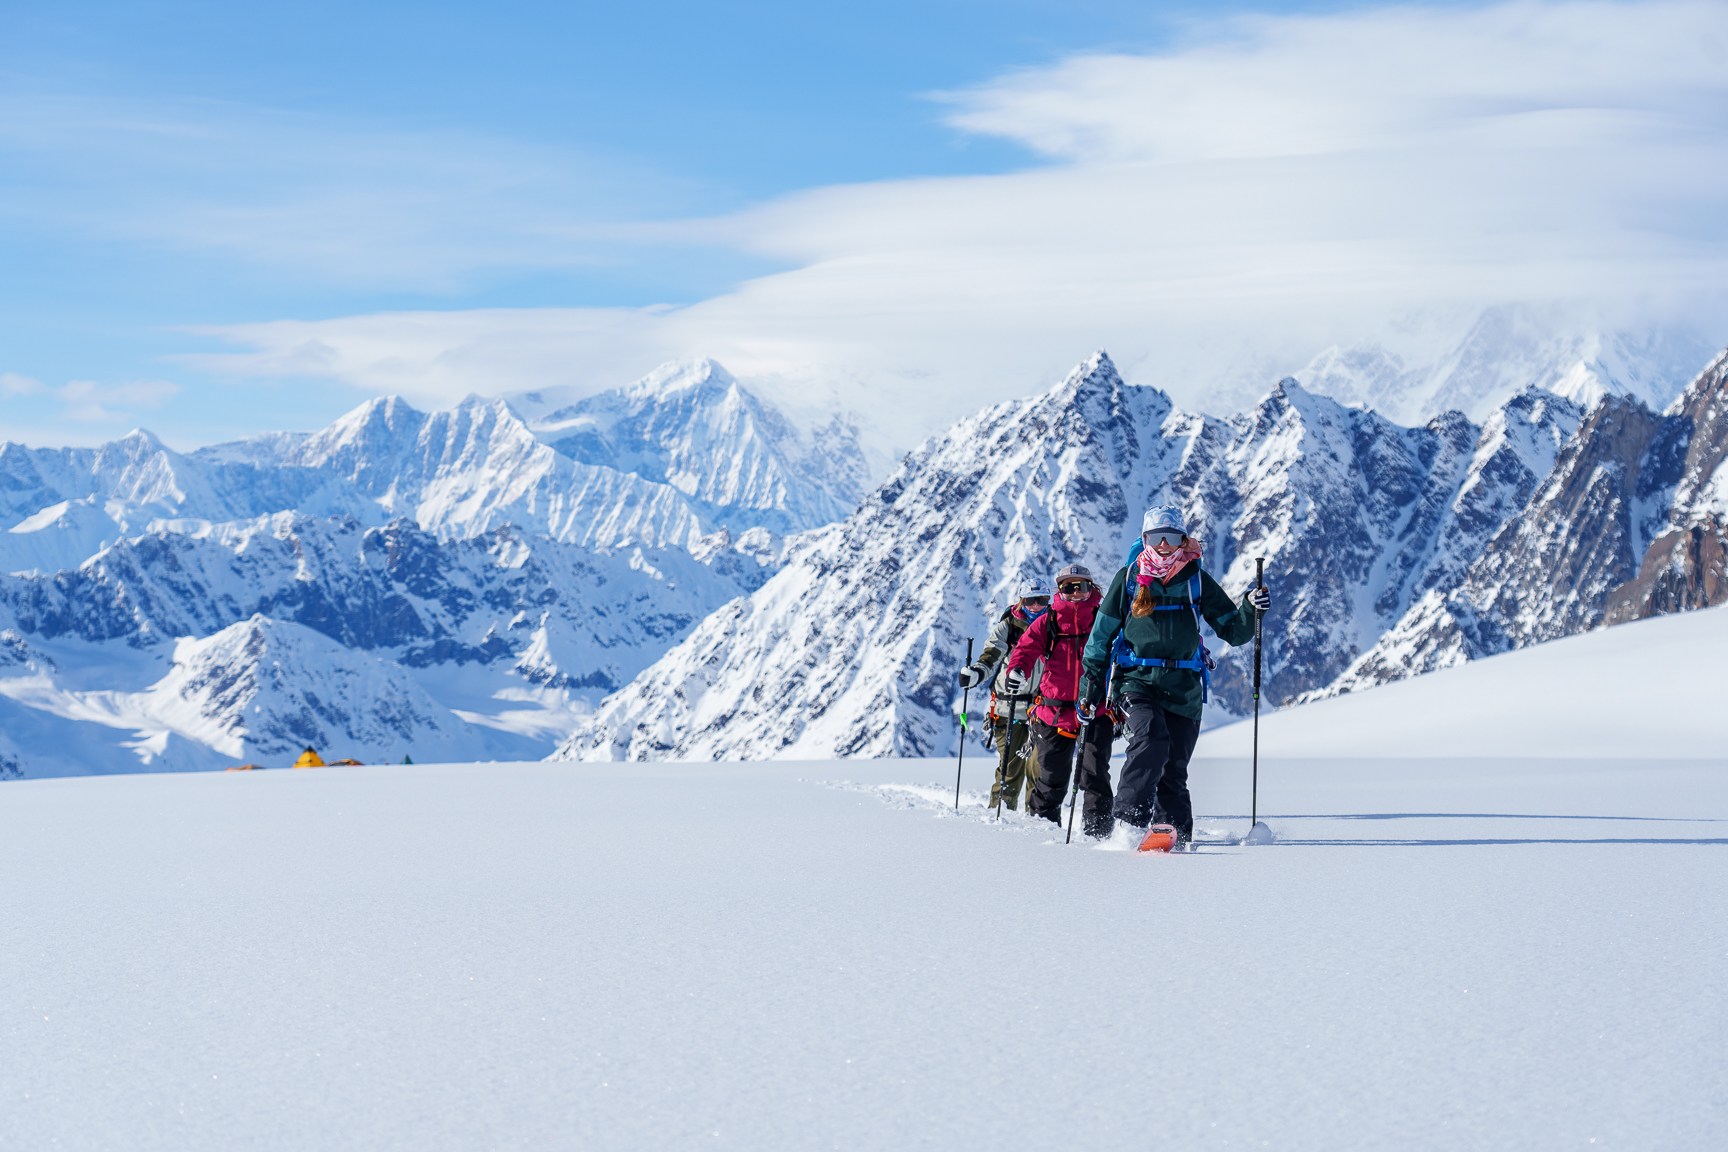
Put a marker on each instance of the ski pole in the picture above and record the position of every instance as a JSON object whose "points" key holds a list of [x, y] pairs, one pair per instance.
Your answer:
{"points": [[1074, 786], [1085, 736], [1254, 794], [1004, 756], [964, 693]]}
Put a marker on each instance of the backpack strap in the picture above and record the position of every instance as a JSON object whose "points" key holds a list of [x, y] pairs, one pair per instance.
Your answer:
{"points": [[1055, 633], [1201, 661]]}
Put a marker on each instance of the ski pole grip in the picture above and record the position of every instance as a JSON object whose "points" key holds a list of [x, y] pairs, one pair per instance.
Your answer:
{"points": [[1259, 571]]}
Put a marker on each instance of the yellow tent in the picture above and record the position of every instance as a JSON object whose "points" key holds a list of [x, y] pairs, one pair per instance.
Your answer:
{"points": [[309, 759]]}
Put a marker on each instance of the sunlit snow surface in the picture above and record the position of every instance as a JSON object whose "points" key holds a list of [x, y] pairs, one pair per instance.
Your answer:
{"points": [[1466, 954], [1654, 687]]}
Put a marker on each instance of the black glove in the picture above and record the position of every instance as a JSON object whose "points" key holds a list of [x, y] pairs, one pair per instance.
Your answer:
{"points": [[973, 675], [1016, 682], [1091, 698], [1260, 598]]}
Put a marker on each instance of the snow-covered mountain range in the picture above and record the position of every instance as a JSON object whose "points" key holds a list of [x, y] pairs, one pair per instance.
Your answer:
{"points": [[1386, 544], [1473, 363], [451, 584], [1631, 521], [672, 569], [694, 428]]}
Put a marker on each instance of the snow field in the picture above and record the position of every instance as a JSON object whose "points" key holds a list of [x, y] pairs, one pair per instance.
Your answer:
{"points": [[1464, 954], [1652, 688]]}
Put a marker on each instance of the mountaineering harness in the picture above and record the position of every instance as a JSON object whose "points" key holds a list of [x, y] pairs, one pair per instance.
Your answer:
{"points": [[1123, 656]]}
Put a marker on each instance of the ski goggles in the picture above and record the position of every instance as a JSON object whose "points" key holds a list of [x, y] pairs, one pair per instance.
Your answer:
{"points": [[1035, 601], [1075, 587], [1164, 536]]}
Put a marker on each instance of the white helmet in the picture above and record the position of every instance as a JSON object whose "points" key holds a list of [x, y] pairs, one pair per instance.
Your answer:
{"points": [[1031, 586], [1165, 517]]}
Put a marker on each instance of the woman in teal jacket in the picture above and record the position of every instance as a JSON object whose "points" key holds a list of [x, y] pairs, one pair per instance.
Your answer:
{"points": [[1148, 628]]}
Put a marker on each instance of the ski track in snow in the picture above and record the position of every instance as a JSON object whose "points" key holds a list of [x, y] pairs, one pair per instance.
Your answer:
{"points": [[1437, 954]]}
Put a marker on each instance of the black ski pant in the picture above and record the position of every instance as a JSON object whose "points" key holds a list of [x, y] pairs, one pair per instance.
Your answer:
{"points": [[1154, 784], [1056, 760]]}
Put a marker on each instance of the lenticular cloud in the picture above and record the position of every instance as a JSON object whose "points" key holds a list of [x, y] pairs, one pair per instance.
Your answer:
{"points": [[1215, 214]]}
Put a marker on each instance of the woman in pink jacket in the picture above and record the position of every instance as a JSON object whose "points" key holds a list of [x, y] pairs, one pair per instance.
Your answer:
{"points": [[1058, 638]]}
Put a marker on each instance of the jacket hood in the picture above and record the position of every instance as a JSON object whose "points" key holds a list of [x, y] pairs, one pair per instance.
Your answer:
{"points": [[1073, 615]]}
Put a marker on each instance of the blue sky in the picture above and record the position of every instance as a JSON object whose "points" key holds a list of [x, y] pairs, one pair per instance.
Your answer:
{"points": [[176, 178]]}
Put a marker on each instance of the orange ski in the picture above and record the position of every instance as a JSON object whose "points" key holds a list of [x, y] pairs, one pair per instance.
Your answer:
{"points": [[1159, 838]]}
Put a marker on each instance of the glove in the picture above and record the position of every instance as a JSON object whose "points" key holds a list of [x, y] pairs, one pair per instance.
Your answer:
{"points": [[973, 675], [1091, 697], [1261, 598], [1015, 682], [1088, 711]]}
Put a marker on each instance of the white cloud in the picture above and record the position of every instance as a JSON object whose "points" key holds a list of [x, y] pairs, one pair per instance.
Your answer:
{"points": [[89, 401], [1543, 76], [13, 385], [1213, 215], [322, 200]]}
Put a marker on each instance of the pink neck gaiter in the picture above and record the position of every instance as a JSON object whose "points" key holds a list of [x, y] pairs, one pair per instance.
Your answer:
{"points": [[1162, 568]]}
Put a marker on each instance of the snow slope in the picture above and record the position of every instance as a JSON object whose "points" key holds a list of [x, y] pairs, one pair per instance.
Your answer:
{"points": [[1649, 688], [262, 689], [1510, 954], [62, 535]]}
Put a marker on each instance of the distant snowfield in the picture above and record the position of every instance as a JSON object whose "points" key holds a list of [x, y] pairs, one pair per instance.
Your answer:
{"points": [[1464, 954], [1650, 688]]}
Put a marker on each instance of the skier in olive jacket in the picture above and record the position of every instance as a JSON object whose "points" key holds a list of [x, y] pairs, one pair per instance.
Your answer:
{"points": [[1148, 628], [1058, 638], [1010, 693]]}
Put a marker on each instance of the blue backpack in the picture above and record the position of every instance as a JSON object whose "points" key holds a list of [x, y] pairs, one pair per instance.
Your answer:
{"points": [[1121, 655]]}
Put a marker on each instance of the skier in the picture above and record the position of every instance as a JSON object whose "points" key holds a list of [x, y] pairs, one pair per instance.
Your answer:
{"points": [[1010, 693], [1149, 628], [1057, 639]]}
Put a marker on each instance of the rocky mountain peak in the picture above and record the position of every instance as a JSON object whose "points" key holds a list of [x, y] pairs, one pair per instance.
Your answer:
{"points": [[378, 427], [704, 376], [1705, 390], [136, 450], [695, 428], [1094, 378], [1685, 565], [139, 469], [135, 444]]}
